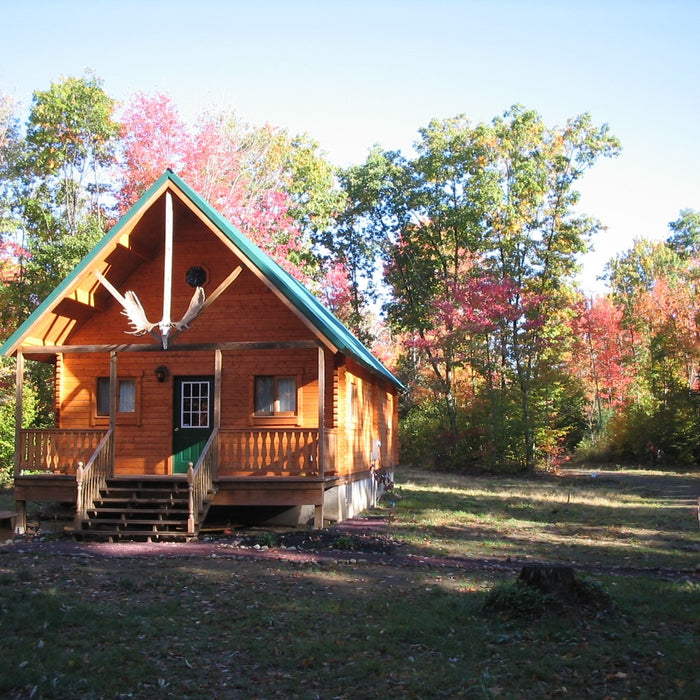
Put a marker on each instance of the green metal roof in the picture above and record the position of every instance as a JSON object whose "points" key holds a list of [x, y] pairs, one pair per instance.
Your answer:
{"points": [[296, 294]]}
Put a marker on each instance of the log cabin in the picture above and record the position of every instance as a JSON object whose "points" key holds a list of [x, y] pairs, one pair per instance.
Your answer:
{"points": [[246, 392]]}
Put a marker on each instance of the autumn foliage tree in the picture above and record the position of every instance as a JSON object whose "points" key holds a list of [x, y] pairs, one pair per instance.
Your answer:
{"points": [[277, 189], [600, 357], [654, 295]]}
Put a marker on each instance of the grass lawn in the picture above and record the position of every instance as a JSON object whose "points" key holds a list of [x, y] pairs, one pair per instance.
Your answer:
{"points": [[234, 627]]}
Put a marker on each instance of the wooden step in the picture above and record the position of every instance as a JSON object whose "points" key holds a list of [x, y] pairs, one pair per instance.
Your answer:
{"points": [[126, 525], [162, 497], [126, 502], [145, 513], [141, 508], [138, 521], [144, 481], [139, 485], [127, 494]]}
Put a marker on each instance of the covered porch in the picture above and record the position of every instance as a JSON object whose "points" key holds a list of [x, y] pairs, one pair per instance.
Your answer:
{"points": [[237, 465]]}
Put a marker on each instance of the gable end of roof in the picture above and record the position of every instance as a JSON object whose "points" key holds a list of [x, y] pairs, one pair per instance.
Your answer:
{"points": [[296, 294]]}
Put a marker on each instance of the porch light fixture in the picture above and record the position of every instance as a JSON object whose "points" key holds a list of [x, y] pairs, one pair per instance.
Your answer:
{"points": [[161, 373]]}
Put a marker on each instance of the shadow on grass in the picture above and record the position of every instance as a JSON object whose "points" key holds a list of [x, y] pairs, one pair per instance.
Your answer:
{"points": [[544, 517], [584, 549], [584, 507]]}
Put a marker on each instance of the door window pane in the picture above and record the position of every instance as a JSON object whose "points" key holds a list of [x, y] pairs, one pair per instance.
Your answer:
{"points": [[194, 406]]}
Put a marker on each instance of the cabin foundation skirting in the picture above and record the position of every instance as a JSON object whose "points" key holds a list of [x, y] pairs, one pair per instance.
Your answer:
{"points": [[307, 503], [351, 497]]}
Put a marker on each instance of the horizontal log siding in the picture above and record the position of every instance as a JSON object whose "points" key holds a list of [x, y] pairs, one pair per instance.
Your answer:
{"points": [[239, 369], [376, 418], [246, 311], [143, 442]]}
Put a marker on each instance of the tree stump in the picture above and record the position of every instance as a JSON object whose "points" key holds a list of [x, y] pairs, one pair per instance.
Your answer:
{"points": [[554, 579]]}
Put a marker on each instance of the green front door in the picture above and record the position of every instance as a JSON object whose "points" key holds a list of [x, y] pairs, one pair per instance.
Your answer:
{"points": [[193, 419]]}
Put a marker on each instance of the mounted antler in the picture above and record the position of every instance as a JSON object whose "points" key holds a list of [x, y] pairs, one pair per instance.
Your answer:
{"points": [[134, 311], [193, 310], [132, 308]]}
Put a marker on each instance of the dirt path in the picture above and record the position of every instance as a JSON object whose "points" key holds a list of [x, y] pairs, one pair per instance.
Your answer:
{"points": [[369, 535], [319, 557]]}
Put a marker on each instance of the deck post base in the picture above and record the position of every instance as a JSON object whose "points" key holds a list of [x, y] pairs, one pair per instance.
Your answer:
{"points": [[318, 517], [21, 524]]}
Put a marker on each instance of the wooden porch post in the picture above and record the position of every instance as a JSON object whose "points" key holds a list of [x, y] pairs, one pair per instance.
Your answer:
{"points": [[318, 510], [20, 506], [217, 388], [113, 390], [218, 365], [113, 406]]}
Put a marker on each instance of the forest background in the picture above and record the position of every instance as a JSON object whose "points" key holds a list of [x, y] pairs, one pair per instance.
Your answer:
{"points": [[457, 264]]}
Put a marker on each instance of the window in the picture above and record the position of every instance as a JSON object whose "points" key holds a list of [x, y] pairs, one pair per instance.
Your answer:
{"points": [[275, 396], [126, 399]]}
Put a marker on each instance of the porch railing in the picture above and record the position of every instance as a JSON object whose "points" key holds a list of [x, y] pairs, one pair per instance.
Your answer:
{"points": [[230, 451], [277, 451], [92, 477], [54, 451], [200, 480]]}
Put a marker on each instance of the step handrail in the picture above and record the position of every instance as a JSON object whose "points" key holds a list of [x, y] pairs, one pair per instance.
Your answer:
{"points": [[92, 477], [200, 481]]}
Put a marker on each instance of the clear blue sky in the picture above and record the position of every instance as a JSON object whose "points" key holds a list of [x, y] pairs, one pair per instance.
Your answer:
{"points": [[355, 73]]}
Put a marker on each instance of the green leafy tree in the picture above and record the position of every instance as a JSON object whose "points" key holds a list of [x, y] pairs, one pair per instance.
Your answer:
{"points": [[55, 205], [10, 251], [685, 237], [536, 235], [635, 270], [60, 199], [31, 416], [480, 237], [10, 148], [354, 242]]}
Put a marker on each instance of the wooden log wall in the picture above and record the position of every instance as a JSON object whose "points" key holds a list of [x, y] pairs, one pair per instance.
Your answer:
{"points": [[375, 408]]}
